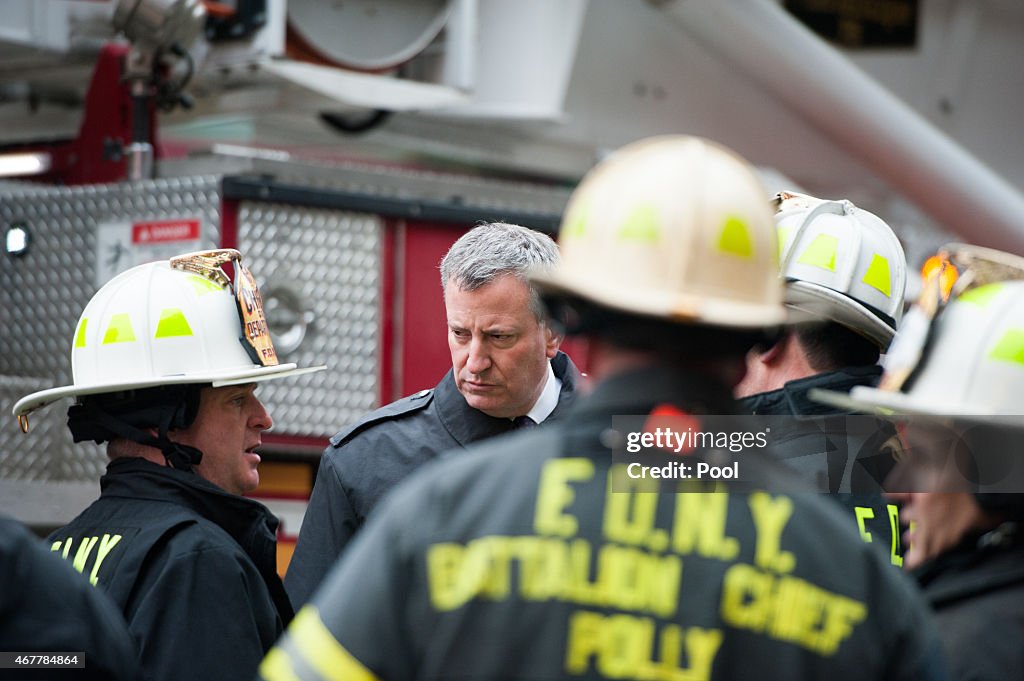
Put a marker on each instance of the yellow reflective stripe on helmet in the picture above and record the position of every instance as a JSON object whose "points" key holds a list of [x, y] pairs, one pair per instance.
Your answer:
{"points": [[980, 296], [80, 334], [735, 238], [1010, 347], [783, 234], [576, 224], [821, 253], [172, 323], [321, 651], [119, 330], [878, 275], [277, 666], [641, 225], [202, 285]]}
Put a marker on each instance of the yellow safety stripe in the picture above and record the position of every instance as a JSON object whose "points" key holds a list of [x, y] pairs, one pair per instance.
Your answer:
{"points": [[202, 285], [982, 295], [318, 648], [277, 666], [172, 323], [641, 225], [878, 275], [783, 234], [735, 238], [1010, 347], [576, 223], [119, 330], [821, 253], [80, 334]]}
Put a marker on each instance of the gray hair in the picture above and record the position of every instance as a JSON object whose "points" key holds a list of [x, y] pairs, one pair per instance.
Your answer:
{"points": [[494, 250]]}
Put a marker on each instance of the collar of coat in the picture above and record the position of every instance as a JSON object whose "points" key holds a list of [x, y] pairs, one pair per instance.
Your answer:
{"points": [[792, 398], [468, 425], [136, 478]]}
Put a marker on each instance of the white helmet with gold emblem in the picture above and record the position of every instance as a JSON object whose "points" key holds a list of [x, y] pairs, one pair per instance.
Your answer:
{"points": [[177, 321]]}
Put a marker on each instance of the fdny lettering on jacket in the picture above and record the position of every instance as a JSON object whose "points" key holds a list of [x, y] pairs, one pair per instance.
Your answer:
{"points": [[93, 551], [639, 570]]}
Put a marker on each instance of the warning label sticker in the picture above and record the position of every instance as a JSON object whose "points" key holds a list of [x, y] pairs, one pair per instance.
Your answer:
{"points": [[164, 231], [121, 245]]}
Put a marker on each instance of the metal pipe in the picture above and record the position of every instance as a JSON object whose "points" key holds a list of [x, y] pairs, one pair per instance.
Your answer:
{"points": [[139, 152], [863, 117]]}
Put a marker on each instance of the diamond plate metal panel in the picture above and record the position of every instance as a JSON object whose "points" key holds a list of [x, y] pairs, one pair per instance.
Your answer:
{"points": [[43, 292], [46, 452], [318, 268]]}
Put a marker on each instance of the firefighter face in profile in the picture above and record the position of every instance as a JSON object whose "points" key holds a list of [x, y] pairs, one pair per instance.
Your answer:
{"points": [[937, 521], [227, 430], [500, 350], [937, 506]]}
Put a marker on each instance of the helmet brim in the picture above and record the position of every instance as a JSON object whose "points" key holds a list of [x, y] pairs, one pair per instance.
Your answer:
{"points": [[42, 398], [820, 302], [889, 404]]}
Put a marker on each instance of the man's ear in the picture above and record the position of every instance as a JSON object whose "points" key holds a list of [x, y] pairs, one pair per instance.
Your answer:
{"points": [[775, 352], [552, 341]]}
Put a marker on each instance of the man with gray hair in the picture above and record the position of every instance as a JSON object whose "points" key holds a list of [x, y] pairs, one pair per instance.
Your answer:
{"points": [[507, 373]]}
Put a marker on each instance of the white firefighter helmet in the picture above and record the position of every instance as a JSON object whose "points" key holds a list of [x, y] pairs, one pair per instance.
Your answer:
{"points": [[674, 227], [961, 359], [169, 322], [842, 264], [956, 363]]}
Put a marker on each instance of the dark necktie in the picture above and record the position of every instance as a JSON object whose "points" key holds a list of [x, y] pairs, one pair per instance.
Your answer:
{"points": [[522, 422]]}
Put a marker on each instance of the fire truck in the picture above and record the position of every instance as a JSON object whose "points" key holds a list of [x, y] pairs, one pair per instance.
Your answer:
{"points": [[342, 147]]}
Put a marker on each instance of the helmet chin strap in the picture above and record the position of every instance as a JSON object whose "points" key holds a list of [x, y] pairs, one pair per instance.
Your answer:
{"points": [[90, 422], [177, 455]]}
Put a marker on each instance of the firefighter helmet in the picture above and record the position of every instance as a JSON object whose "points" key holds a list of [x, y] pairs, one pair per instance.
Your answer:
{"points": [[969, 361], [672, 227], [177, 321], [841, 263], [959, 357], [971, 370]]}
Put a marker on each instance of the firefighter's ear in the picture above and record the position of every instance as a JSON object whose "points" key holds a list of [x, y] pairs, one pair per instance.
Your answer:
{"points": [[771, 354]]}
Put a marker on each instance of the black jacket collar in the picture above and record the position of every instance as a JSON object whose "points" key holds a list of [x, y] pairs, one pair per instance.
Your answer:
{"points": [[792, 398], [468, 425], [244, 519], [980, 563]]}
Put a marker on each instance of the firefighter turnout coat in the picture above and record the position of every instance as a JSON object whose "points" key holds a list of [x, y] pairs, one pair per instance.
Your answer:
{"points": [[192, 567], [977, 592]]}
